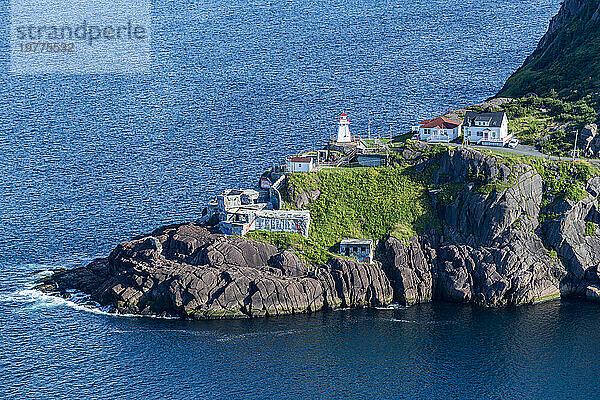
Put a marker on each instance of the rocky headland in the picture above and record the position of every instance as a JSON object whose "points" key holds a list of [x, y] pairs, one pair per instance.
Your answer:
{"points": [[503, 238], [450, 224]]}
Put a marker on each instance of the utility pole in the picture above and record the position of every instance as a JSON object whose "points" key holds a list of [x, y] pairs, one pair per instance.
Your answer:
{"points": [[575, 146]]}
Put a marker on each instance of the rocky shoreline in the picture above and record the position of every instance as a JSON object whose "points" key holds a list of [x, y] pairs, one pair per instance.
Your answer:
{"points": [[492, 249], [191, 271]]}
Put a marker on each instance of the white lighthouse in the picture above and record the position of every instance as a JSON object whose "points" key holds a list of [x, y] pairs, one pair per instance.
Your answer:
{"points": [[343, 135]]}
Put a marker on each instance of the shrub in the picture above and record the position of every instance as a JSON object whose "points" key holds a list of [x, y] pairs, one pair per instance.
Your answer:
{"points": [[590, 228]]}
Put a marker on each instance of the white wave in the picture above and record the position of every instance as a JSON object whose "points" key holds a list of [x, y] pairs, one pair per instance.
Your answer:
{"points": [[191, 332], [409, 321], [77, 301], [406, 321], [393, 306], [343, 309]]}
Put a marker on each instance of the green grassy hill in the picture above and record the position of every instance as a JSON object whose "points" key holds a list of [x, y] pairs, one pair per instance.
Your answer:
{"points": [[364, 203], [567, 59], [361, 203]]}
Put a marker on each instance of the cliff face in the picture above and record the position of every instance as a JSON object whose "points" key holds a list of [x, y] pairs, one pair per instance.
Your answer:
{"points": [[567, 58], [490, 249]]}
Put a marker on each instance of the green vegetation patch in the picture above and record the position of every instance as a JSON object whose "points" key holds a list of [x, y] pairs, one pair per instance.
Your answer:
{"points": [[550, 122], [306, 249], [365, 203], [449, 192], [590, 228]]}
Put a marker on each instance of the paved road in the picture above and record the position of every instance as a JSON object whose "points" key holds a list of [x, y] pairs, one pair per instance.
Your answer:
{"points": [[524, 150]]}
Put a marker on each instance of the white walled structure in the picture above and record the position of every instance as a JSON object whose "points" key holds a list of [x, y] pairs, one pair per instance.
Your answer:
{"points": [[343, 135], [299, 164], [487, 128], [241, 211], [439, 130], [283, 221], [241, 221]]}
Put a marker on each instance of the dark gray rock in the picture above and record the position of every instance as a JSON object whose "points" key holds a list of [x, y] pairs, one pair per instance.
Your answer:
{"points": [[465, 164], [188, 271], [305, 198], [411, 275], [492, 253], [490, 250], [514, 270], [592, 293], [481, 217], [353, 284], [289, 263], [567, 234], [589, 141]]}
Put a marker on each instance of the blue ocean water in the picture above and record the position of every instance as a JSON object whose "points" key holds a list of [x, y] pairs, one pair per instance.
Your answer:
{"points": [[90, 160]]}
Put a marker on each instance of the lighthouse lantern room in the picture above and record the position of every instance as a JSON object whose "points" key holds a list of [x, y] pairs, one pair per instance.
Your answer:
{"points": [[343, 135]]}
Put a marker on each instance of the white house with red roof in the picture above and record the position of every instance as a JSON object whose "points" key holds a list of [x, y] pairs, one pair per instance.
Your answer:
{"points": [[439, 130], [296, 164]]}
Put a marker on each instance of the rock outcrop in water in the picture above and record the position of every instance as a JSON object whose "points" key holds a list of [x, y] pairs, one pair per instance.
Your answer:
{"points": [[191, 271], [490, 249]]}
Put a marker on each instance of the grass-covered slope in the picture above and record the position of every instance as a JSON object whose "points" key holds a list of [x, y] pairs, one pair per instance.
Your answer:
{"points": [[550, 122], [568, 57], [562, 179], [363, 203]]}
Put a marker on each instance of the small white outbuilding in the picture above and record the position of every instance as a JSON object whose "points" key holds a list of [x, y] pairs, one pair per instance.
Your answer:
{"points": [[359, 249], [299, 164]]}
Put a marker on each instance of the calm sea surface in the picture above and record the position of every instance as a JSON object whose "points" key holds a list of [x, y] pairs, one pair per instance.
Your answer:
{"points": [[88, 161]]}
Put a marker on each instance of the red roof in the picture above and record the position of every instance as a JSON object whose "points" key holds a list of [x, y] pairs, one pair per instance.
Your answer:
{"points": [[300, 159], [441, 122], [343, 115]]}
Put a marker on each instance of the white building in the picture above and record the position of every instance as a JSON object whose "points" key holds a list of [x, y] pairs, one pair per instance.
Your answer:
{"points": [[343, 135], [439, 130], [299, 164], [290, 221], [486, 128], [243, 220], [238, 212]]}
